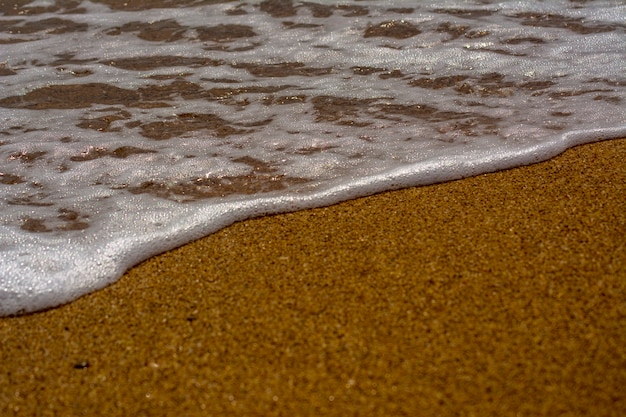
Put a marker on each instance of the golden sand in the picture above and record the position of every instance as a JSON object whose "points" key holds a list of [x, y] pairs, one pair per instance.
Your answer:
{"points": [[498, 295]]}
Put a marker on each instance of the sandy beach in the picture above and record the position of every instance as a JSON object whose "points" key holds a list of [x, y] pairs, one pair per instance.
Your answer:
{"points": [[498, 295]]}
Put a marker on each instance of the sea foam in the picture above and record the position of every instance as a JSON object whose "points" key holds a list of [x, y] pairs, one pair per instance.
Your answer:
{"points": [[127, 131]]}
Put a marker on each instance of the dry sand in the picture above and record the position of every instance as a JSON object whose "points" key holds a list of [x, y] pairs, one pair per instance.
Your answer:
{"points": [[499, 295]]}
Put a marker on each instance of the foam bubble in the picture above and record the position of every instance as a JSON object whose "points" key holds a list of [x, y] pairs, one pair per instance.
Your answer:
{"points": [[128, 132]]}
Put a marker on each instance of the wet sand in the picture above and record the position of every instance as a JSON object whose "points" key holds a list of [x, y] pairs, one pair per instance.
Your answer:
{"points": [[498, 295]]}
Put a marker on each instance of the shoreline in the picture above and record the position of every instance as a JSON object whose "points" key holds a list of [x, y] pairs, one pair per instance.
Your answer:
{"points": [[492, 295]]}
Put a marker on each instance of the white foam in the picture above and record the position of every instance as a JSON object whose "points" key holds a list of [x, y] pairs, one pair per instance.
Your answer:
{"points": [[558, 86]]}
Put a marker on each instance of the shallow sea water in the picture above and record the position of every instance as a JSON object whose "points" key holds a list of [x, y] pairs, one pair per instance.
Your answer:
{"points": [[130, 128]]}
